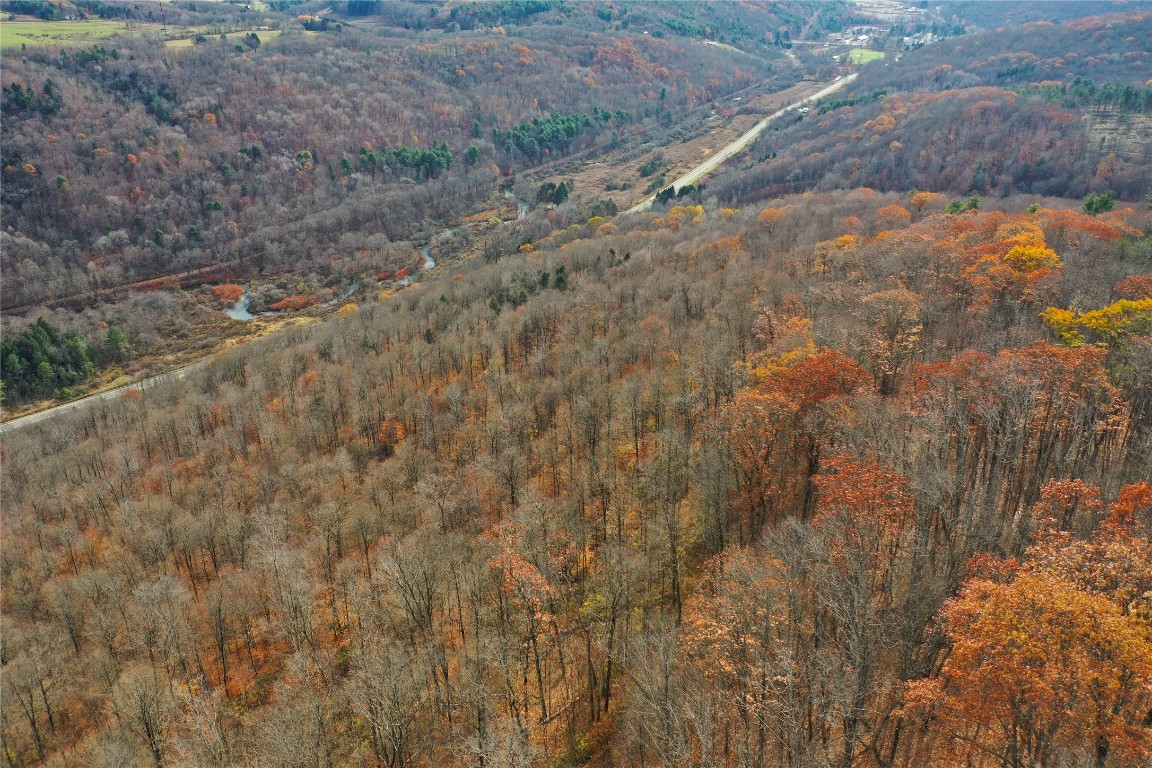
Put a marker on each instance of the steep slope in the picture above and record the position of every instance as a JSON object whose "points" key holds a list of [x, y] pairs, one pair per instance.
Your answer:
{"points": [[461, 523], [844, 477], [1041, 109]]}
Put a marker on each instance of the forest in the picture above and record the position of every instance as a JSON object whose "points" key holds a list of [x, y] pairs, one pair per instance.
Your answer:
{"points": [[133, 160], [42, 360], [993, 112], [311, 160], [739, 487], [853, 473]]}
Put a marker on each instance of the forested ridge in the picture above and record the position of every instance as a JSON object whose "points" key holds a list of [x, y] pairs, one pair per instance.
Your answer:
{"points": [[134, 172], [313, 161], [131, 160], [1018, 110], [850, 473], [703, 500]]}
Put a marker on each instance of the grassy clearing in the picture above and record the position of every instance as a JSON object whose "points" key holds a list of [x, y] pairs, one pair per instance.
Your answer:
{"points": [[252, 5], [44, 33], [863, 55], [188, 42]]}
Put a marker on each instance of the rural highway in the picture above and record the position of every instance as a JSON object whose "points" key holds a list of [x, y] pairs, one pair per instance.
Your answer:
{"points": [[727, 152], [691, 177], [33, 418]]}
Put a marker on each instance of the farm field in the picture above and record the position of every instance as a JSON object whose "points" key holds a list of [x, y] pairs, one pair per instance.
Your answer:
{"points": [[864, 55], [46, 33], [188, 42]]}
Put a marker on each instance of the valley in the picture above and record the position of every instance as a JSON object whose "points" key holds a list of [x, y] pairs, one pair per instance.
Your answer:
{"points": [[584, 178], [545, 383]]}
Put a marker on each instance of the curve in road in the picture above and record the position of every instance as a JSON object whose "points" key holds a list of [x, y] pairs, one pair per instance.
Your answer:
{"points": [[727, 152], [691, 177]]}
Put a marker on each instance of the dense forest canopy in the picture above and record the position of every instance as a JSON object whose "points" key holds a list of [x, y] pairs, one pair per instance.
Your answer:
{"points": [[839, 461], [503, 513]]}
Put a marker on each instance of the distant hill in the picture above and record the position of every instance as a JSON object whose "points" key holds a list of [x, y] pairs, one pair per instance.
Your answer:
{"points": [[853, 476], [130, 159], [1041, 109]]}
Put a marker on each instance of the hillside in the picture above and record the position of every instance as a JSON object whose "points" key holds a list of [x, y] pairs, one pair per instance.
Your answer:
{"points": [[581, 432], [853, 473], [1044, 109], [311, 147], [299, 162]]}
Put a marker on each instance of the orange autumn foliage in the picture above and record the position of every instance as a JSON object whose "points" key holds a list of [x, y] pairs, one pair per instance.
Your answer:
{"points": [[1016, 266], [294, 302], [1135, 287], [920, 200], [868, 499], [894, 215], [769, 218], [819, 377], [229, 292], [1054, 654], [1037, 664], [389, 435]]}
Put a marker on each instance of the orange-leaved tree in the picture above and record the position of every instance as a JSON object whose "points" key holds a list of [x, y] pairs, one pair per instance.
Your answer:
{"points": [[1019, 266], [1051, 664], [774, 427]]}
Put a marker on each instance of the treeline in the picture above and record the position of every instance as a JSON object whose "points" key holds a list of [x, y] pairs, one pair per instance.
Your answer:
{"points": [[691, 486], [496, 13], [554, 135], [851, 101], [1082, 92], [971, 141], [43, 361], [427, 163], [41, 9], [19, 98], [748, 27], [1105, 48]]}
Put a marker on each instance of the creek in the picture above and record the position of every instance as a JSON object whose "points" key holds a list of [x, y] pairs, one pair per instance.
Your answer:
{"points": [[239, 310]]}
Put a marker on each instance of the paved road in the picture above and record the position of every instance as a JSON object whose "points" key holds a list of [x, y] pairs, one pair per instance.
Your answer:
{"points": [[727, 152], [33, 418], [691, 177]]}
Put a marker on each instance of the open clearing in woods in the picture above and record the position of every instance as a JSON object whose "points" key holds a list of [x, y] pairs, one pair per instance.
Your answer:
{"points": [[44, 33], [679, 157], [35, 33], [863, 55], [187, 42]]}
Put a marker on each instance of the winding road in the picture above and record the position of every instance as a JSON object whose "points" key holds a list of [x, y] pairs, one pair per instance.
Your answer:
{"points": [[727, 152]]}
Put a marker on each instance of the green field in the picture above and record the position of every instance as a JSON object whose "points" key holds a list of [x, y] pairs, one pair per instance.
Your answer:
{"points": [[252, 5], [42, 33], [863, 55], [187, 42]]}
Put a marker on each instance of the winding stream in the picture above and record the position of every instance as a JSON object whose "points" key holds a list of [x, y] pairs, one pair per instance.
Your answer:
{"points": [[426, 254], [239, 310]]}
